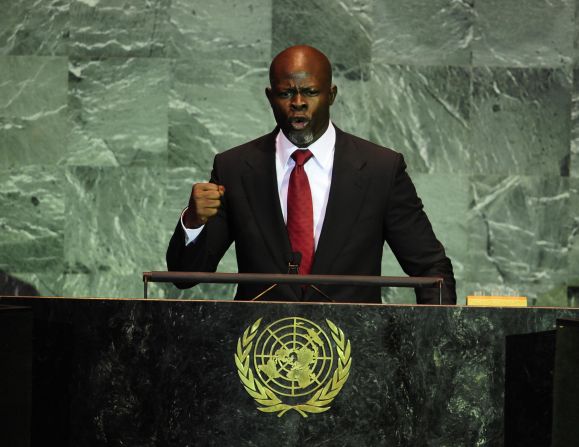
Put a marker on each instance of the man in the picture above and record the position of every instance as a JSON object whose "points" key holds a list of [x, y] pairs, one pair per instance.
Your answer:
{"points": [[312, 189]]}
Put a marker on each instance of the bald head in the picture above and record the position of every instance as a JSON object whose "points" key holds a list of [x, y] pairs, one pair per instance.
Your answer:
{"points": [[300, 56], [301, 93]]}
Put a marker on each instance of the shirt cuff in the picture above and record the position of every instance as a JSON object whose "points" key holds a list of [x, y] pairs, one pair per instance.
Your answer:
{"points": [[190, 233]]}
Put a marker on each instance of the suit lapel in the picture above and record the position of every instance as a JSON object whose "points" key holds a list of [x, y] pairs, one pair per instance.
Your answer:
{"points": [[260, 183], [344, 203]]}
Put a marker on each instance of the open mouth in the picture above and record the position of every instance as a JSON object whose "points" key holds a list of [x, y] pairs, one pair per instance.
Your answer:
{"points": [[299, 122]]}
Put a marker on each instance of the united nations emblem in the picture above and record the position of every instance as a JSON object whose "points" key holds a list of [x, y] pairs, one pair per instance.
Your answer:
{"points": [[293, 364]]}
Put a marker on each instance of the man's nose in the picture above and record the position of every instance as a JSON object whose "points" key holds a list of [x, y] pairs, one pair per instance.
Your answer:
{"points": [[298, 102]]}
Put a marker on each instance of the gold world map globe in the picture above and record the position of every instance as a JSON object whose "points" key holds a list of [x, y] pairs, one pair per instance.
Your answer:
{"points": [[293, 357]]}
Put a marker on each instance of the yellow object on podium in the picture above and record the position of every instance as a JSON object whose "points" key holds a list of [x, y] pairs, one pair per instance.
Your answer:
{"points": [[496, 301]]}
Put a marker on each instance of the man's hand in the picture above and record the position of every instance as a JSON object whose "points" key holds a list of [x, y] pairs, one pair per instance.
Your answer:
{"points": [[204, 202]]}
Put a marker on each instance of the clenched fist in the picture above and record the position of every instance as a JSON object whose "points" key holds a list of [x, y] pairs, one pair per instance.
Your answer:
{"points": [[204, 202]]}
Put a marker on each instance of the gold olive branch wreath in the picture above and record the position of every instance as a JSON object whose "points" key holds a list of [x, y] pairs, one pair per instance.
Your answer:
{"points": [[319, 402]]}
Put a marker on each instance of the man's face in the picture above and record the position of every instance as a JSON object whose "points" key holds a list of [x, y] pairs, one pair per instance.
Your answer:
{"points": [[300, 96]]}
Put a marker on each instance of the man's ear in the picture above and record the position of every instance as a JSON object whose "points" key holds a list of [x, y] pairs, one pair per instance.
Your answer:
{"points": [[268, 94], [333, 94]]}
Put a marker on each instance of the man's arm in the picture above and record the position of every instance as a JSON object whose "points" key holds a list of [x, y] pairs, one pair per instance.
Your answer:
{"points": [[207, 208], [412, 240]]}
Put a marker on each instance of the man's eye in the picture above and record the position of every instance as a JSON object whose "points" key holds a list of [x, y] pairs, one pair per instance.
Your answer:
{"points": [[285, 94], [310, 92]]}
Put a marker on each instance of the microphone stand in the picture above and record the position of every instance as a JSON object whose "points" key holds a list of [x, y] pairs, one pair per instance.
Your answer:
{"points": [[316, 288], [293, 266]]}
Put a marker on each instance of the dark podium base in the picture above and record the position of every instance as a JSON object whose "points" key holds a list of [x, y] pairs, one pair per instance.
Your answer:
{"points": [[542, 388], [15, 375], [150, 373], [530, 361]]}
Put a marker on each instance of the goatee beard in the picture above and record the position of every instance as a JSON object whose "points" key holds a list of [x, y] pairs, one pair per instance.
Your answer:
{"points": [[300, 138]]}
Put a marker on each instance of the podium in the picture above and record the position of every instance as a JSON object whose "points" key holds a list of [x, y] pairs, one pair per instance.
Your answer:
{"points": [[541, 389], [15, 375], [173, 373]]}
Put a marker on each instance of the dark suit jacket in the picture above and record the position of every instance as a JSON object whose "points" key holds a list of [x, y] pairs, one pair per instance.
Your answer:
{"points": [[372, 200]]}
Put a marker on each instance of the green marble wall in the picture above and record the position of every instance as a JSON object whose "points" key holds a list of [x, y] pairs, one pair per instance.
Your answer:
{"points": [[110, 110]]}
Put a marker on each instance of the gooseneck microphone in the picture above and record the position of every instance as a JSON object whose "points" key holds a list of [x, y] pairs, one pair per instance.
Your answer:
{"points": [[293, 266]]}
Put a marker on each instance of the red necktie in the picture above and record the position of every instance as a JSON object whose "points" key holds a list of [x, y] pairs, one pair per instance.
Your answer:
{"points": [[300, 212]]}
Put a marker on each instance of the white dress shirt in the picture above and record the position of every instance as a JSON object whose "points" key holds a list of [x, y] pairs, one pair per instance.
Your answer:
{"points": [[319, 172]]}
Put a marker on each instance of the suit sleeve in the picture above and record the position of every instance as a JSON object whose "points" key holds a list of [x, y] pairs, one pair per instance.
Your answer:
{"points": [[409, 234], [204, 254]]}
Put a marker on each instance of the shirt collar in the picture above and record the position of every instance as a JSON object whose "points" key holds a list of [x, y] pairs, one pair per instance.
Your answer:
{"points": [[322, 149]]}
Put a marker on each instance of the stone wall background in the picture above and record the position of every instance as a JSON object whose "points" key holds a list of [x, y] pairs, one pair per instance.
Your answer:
{"points": [[110, 110]]}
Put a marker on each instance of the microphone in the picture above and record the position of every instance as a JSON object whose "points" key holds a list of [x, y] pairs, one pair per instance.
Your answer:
{"points": [[293, 268], [295, 259], [293, 265]]}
